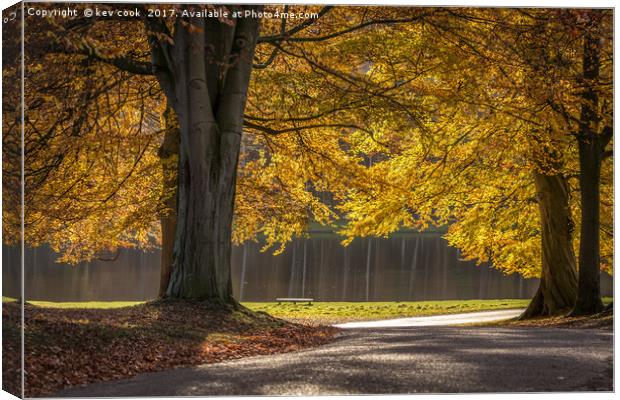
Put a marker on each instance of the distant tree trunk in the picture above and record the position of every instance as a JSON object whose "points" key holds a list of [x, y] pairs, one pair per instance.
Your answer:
{"points": [[168, 154], [368, 269], [345, 277], [244, 265], [591, 152], [558, 281], [291, 283], [303, 274], [205, 75]]}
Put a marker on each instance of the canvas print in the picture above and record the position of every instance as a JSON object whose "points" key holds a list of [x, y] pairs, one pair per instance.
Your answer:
{"points": [[246, 199]]}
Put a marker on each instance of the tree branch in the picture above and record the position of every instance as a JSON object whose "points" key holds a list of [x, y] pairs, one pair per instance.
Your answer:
{"points": [[275, 50], [124, 62], [271, 131], [272, 39], [286, 35], [159, 37], [607, 134]]}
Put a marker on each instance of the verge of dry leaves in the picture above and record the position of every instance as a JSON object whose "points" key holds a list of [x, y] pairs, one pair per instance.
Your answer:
{"points": [[67, 347], [603, 320]]}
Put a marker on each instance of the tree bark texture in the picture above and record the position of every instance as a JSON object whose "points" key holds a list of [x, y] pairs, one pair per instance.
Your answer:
{"points": [[558, 281], [206, 77], [591, 150], [168, 154]]}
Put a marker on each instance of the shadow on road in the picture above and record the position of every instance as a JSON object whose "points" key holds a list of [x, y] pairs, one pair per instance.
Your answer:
{"points": [[399, 360]]}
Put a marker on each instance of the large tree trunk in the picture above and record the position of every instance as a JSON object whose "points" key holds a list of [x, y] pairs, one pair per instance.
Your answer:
{"points": [[168, 154], [591, 149], [210, 65], [589, 293], [558, 281]]}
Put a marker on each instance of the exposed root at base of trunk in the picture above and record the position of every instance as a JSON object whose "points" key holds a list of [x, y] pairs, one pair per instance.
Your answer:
{"points": [[592, 308], [535, 308], [538, 308]]}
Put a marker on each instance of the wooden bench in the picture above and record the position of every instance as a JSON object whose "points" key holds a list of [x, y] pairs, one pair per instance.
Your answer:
{"points": [[281, 300]]}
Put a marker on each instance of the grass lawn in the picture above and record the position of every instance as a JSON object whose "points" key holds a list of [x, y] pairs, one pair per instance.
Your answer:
{"points": [[336, 312], [328, 311], [77, 304], [85, 304], [331, 312]]}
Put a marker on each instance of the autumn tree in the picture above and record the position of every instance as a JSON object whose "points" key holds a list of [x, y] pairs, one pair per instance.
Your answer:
{"points": [[565, 54], [595, 130], [455, 108], [493, 136], [208, 97], [91, 182]]}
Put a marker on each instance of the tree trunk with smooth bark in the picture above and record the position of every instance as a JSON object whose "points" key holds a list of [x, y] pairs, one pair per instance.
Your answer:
{"points": [[205, 76], [558, 281], [589, 294], [168, 154], [591, 153]]}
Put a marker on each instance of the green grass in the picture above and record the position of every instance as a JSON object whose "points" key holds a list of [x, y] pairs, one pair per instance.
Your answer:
{"points": [[76, 304], [351, 311], [328, 312], [85, 304]]}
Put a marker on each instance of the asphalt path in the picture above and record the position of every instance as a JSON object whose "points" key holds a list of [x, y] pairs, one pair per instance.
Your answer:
{"points": [[437, 320], [420, 359]]}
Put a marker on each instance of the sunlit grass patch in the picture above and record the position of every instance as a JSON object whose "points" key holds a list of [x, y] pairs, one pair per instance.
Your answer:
{"points": [[328, 312], [350, 311], [85, 304]]}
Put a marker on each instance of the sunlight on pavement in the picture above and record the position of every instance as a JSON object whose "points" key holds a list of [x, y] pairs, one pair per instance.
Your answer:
{"points": [[436, 320]]}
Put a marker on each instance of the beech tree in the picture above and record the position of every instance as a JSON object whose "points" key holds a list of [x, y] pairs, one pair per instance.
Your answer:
{"points": [[595, 131], [91, 176], [467, 116], [572, 75], [496, 131], [203, 66]]}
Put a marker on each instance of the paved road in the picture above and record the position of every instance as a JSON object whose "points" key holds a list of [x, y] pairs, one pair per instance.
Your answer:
{"points": [[437, 320], [398, 360]]}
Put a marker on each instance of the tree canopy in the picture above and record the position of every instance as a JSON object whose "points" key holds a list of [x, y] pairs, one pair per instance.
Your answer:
{"points": [[368, 119]]}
